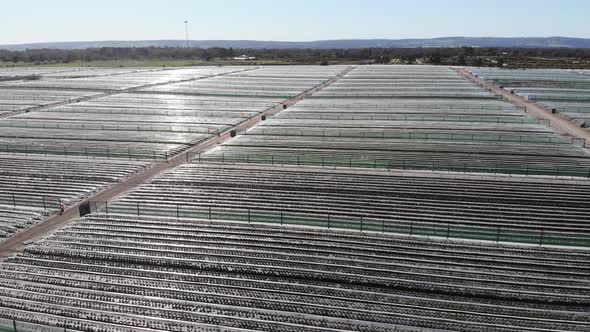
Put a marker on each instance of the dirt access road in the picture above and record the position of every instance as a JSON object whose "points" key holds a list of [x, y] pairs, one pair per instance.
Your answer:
{"points": [[16, 243], [559, 124]]}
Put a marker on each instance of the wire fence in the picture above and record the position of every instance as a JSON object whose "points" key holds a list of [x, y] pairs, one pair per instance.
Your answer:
{"points": [[12, 325], [49, 204], [413, 96], [444, 118], [86, 152], [111, 127], [383, 134], [346, 222], [389, 164]]}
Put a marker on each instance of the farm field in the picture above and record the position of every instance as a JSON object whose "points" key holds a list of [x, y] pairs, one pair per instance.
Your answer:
{"points": [[275, 82], [13, 219], [145, 114], [131, 126], [491, 208], [119, 80], [566, 91], [190, 275], [408, 117], [368, 198], [33, 187], [12, 100], [61, 72]]}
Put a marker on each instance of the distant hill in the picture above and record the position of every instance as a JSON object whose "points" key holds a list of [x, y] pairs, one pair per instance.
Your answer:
{"points": [[529, 42]]}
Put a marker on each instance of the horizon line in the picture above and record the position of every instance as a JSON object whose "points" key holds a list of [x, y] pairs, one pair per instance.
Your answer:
{"points": [[285, 41]]}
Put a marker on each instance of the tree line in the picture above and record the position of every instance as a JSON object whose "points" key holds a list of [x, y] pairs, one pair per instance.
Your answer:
{"points": [[451, 56]]}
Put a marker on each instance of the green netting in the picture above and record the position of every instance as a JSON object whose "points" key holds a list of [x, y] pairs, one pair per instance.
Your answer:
{"points": [[357, 223], [75, 126], [559, 98], [413, 136], [73, 151], [407, 96], [484, 119], [8, 325], [466, 167]]}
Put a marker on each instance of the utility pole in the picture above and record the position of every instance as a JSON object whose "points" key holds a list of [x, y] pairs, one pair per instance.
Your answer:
{"points": [[186, 32]]}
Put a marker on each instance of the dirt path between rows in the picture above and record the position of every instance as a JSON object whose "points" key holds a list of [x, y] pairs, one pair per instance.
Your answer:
{"points": [[17, 242]]}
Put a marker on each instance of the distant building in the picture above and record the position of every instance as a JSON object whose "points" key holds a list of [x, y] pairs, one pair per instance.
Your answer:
{"points": [[244, 58]]}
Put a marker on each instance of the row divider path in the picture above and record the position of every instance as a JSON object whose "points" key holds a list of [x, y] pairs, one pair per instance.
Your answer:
{"points": [[18, 241], [559, 124], [107, 93]]}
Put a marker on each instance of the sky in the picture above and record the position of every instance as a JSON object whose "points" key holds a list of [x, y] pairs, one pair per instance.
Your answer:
{"points": [[300, 20]]}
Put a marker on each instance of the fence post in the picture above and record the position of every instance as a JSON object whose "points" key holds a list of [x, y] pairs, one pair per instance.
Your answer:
{"points": [[209, 213], [106, 204], [13, 200], [497, 234], [541, 240], [448, 229], [248, 215], [411, 229], [14, 325], [281, 217], [329, 221], [44, 204], [361, 224], [177, 213]]}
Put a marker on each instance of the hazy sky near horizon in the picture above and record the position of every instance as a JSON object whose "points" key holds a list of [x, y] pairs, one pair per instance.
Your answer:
{"points": [[300, 20]]}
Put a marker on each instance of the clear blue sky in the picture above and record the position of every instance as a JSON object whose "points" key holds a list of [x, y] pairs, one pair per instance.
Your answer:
{"points": [[295, 20]]}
